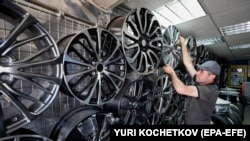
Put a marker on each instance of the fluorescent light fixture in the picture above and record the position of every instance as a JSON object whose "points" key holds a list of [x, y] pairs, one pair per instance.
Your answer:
{"points": [[236, 29], [178, 11], [210, 41], [240, 46]]}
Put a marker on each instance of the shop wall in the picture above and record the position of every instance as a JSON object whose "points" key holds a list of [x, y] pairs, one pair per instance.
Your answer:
{"points": [[242, 62]]}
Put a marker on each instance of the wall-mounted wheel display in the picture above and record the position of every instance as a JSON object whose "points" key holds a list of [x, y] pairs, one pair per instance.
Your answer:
{"points": [[141, 37], [94, 65], [83, 123], [171, 47], [133, 104], [30, 68]]}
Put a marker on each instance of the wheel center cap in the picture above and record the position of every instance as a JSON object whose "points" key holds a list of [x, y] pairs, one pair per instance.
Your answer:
{"points": [[143, 42]]}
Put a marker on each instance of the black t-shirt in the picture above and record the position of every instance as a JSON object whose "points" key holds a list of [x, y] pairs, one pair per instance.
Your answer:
{"points": [[199, 110]]}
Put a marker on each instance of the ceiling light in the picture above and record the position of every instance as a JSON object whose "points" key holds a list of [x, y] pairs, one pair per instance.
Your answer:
{"points": [[240, 46], [210, 41], [236, 29], [178, 11]]}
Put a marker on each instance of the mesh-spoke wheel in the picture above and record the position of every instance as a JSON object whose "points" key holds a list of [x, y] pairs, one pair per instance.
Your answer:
{"points": [[171, 47], [30, 69], [94, 65], [133, 104], [141, 37], [163, 92], [83, 123]]}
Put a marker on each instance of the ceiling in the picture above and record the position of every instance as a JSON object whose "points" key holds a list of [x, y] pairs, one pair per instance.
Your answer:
{"points": [[219, 13]]}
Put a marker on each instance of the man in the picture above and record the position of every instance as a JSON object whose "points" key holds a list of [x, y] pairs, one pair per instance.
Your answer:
{"points": [[201, 97]]}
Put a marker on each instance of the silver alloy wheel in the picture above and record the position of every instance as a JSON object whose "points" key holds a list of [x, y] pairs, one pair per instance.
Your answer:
{"points": [[141, 37], [94, 65], [30, 68], [171, 47]]}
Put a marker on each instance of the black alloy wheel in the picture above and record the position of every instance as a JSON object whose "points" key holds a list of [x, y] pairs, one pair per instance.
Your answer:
{"points": [[94, 66], [163, 92], [84, 123], [141, 37], [133, 104]]}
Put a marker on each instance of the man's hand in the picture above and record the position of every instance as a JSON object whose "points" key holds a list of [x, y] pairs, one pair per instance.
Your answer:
{"points": [[181, 40], [168, 69]]}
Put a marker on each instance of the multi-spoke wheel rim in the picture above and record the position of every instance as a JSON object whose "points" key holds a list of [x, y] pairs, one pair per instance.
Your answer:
{"points": [[83, 123], [30, 69], [163, 93], [175, 113], [94, 66], [171, 47], [141, 38], [133, 104]]}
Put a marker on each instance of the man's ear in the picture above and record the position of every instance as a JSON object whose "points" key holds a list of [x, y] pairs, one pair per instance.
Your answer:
{"points": [[213, 76]]}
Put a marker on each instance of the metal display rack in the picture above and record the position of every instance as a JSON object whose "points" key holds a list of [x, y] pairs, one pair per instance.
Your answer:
{"points": [[57, 27]]}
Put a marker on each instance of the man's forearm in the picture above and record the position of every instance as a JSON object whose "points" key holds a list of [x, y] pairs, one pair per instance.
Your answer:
{"points": [[177, 83], [187, 60]]}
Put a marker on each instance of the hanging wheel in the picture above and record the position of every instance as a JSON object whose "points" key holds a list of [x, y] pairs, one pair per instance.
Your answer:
{"points": [[83, 123], [141, 37], [31, 70], [133, 104], [94, 65], [163, 92], [171, 47]]}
